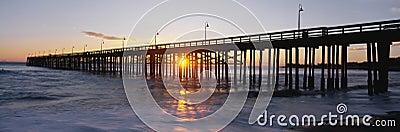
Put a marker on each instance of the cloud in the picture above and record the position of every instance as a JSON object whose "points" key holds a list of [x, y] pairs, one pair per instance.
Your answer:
{"points": [[358, 48], [101, 36], [395, 9], [396, 44]]}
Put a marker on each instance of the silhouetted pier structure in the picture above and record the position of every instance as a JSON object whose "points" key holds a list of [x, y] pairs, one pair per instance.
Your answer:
{"points": [[246, 59]]}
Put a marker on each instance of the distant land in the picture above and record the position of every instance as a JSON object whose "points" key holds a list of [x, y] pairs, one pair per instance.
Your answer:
{"points": [[394, 65], [11, 62]]}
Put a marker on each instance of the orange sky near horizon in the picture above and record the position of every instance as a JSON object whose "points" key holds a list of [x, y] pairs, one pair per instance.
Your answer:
{"points": [[15, 53], [42, 26]]}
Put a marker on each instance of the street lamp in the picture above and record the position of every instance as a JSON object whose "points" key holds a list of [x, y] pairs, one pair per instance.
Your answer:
{"points": [[62, 51], [101, 45], [55, 52], [155, 38], [205, 31], [300, 10], [84, 48], [73, 50], [123, 41], [297, 49]]}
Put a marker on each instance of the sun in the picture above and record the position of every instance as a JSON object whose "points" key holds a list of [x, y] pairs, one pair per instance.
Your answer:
{"points": [[183, 62]]}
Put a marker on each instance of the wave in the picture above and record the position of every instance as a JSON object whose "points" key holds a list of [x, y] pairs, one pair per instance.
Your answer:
{"points": [[14, 96]]}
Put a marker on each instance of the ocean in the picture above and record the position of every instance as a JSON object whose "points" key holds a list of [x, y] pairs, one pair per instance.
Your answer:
{"points": [[42, 99]]}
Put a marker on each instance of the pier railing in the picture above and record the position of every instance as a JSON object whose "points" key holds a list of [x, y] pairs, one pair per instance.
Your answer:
{"points": [[274, 36]]}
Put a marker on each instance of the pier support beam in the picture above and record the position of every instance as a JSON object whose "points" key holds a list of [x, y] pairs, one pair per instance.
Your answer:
{"points": [[254, 67], [322, 68], [286, 66], [374, 67], [226, 68], [305, 68], [277, 68], [383, 65], [369, 80], [330, 80], [337, 68], [152, 64], [260, 68], [269, 54], [290, 69], [312, 69], [234, 66], [344, 67], [244, 66], [297, 69], [251, 69]]}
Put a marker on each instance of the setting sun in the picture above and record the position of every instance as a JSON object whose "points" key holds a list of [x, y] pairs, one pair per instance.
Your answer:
{"points": [[183, 62]]}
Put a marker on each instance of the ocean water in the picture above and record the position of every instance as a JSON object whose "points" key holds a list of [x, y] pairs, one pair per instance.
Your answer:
{"points": [[41, 99]]}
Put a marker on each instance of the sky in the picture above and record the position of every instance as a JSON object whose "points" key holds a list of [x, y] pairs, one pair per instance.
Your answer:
{"points": [[42, 26]]}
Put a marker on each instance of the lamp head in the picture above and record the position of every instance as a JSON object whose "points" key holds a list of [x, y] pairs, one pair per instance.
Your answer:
{"points": [[300, 8]]}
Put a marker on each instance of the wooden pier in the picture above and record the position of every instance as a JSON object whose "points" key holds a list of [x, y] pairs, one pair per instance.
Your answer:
{"points": [[244, 61]]}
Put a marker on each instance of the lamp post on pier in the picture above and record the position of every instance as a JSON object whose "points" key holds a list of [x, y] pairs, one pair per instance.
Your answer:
{"points": [[205, 32], [123, 43], [84, 48], [155, 38], [101, 45], [298, 20]]}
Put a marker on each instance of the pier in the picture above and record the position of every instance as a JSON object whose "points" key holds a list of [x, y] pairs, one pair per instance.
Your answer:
{"points": [[245, 62]]}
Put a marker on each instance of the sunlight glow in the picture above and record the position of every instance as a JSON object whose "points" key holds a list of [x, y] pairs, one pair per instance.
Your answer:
{"points": [[183, 62]]}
